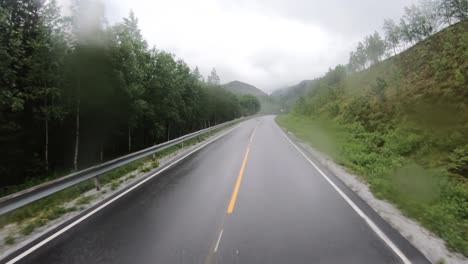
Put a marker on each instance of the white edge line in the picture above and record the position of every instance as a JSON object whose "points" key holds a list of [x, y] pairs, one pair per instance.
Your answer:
{"points": [[81, 219], [371, 224], [219, 239]]}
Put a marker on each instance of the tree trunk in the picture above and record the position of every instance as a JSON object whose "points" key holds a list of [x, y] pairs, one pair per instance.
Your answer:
{"points": [[77, 136], [46, 151], [168, 132], [101, 152], [46, 130], [129, 139]]}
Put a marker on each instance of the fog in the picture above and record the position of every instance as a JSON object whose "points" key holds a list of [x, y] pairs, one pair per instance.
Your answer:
{"points": [[269, 44]]}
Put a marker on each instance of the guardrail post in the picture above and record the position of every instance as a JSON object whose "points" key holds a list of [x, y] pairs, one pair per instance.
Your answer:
{"points": [[97, 184]]}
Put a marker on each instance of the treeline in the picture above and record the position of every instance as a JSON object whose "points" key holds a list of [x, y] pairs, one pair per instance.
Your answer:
{"points": [[75, 91], [419, 22]]}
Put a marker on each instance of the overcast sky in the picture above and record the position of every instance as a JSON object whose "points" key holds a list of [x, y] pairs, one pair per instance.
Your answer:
{"points": [[267, 43]]}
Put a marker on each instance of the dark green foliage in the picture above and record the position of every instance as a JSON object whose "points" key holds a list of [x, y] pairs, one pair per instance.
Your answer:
{"points": [[44, 217], [458, 161], [85, 200], [378, 89], [250, 104], [9, 240], [73, 96]]}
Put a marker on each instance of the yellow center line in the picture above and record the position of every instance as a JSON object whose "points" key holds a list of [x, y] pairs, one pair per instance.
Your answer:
{"points": [[239, 178], [211, 257]]}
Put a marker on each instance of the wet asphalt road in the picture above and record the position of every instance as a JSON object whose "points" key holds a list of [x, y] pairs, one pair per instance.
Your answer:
{"points": [[284, 212]]}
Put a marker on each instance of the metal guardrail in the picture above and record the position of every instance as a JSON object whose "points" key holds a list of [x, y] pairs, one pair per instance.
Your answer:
{"points": [[30, 195]]}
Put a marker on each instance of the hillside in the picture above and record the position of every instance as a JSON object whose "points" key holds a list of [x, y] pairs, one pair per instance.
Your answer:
{"points": [[288, 96], [238, 87], [402, 126], [269, 104]]}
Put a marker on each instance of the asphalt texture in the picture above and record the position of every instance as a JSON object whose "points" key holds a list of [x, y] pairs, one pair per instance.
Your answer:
{"points": [[283, 211]]}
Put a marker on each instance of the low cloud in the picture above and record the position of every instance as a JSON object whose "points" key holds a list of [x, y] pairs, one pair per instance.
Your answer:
{"points": [[269, 44]]}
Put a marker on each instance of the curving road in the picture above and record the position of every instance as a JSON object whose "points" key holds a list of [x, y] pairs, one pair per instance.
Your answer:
{"points": [[249, 197]]}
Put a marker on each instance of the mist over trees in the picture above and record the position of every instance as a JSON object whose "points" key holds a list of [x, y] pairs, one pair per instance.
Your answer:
{"points": [[75, 91], [213, 78], [418, 22]]}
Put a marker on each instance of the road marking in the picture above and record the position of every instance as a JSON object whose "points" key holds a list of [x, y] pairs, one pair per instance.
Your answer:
{"points": [[252, 136], [241, 174], [219, 239], [239, 180], [81, 219], [371, 224]]}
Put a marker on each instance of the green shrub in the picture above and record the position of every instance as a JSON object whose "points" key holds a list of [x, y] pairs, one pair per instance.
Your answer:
{"points": [[85, 200], [114, 185], [145, 169], [9, 240], [458, 161], [403, 141], [28, 229]]}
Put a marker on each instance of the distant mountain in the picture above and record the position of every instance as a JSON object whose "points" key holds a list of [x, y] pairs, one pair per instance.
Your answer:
{"points": [[238, 87], [289, 95], [269, 104]]}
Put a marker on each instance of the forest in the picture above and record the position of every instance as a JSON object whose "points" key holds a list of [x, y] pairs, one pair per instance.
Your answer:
{"points": [[76, 91]]}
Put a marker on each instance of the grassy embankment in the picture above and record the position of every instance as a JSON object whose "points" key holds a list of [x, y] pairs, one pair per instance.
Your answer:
{"points": [[402, 126]]}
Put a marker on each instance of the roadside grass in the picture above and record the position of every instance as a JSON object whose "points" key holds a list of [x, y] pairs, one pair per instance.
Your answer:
{"points": [[9, 240], [85, 200], [50, 208], [399, 166], [39, 213], [44, 217]]}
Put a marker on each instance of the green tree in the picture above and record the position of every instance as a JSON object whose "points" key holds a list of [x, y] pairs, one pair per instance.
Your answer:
{"points": [[453, 10], [392, 35], [197, 75], [130, 60], [46, 65], [250, 104], [31, 51], [90, 79], [358, 58], [213, 78], [76, 89], [374, 48], [416, 24]]}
